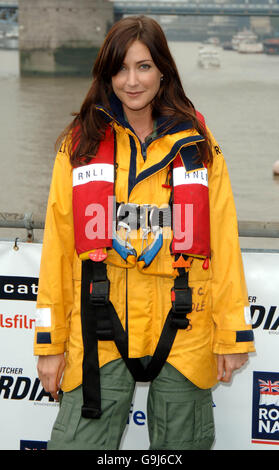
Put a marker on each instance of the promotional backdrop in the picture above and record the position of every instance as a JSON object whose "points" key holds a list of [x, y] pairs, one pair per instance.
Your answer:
{"points": [[246, 411]]}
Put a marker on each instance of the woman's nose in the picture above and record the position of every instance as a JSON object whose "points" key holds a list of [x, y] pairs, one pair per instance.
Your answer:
{"points": [[132, 79]]}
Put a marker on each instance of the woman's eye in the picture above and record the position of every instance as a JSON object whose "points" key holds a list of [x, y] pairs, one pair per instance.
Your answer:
{"points": [[145, 66]]}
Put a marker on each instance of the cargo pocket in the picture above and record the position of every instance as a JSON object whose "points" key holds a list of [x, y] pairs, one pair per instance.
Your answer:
{"points": [[66, 423], [181, 419], [206, 430], [73, 432]]}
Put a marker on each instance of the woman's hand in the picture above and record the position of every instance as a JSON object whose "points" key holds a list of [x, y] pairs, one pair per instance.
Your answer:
{"points": [[50, 370], [227, 363]]}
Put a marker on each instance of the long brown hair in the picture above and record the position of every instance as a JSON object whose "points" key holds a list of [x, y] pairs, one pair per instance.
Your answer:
{"points": [[88, 127]]}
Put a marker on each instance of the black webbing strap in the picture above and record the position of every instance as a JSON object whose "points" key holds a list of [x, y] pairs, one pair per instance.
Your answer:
{"points": [[100, 321], [176, 319], [96, 324]]}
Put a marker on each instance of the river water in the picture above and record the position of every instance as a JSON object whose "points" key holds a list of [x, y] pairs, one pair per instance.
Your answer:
{"points": [[240, 101]]}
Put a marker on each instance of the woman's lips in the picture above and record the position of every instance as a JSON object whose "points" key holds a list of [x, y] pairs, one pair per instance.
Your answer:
{"points": [[134, 94]]}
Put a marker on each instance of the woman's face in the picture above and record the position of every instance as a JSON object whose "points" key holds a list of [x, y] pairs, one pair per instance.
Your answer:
{"points": [[138, 80]]}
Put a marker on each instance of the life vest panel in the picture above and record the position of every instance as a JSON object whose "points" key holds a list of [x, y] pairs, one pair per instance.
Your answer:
{"points": [[191, 222], [191, 230], [93, 202], [93, 190]]}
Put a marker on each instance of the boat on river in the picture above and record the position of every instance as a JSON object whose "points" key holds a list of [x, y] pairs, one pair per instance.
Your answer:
{"points": [[246, 42], [208, 57], [250, 47], [271, 46]]}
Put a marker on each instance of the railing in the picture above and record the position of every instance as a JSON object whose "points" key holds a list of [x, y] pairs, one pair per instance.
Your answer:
{"points": [[253, 229], [244, 8], [196, 8], [21, 221]]}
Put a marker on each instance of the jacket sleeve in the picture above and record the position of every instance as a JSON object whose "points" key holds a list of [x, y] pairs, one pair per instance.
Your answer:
{"points": [[55, 290], [231, 313]]}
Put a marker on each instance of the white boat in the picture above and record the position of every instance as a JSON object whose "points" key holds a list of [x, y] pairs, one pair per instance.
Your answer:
{"points": [[246, 42], [208, 57], [247, 47], [245, 35]]}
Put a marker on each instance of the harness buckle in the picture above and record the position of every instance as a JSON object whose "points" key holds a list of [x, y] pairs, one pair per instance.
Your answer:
{"points": [[181, 305], [99, 292]]}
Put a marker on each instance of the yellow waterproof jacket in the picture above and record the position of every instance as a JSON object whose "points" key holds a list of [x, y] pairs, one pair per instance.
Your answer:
{"points": [[142, 299]]}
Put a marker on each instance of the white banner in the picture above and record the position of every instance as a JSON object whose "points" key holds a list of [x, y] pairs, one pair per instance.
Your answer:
{"points": [[244, 419], [27, 413], [246, 411]]}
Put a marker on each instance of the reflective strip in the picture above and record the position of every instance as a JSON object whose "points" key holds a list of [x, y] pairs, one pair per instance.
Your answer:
{"points": [[43, 317], [94, 172], [181, 176], [247, 316]]}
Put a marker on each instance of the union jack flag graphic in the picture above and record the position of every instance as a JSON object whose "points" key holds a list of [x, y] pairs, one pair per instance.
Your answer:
{"points": [[269, 392], [268, 387], [265, 410]]}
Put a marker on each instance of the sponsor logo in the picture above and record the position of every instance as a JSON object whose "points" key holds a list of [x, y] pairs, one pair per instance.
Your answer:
{"points": [[33, 445], [18, 288], [266, 318], [15, 386], [265, 413], [16, 321], [138, 417]]}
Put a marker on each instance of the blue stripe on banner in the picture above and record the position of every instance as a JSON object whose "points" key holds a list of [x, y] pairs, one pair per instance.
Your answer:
{"points": [[43, 338], [243, 336]]}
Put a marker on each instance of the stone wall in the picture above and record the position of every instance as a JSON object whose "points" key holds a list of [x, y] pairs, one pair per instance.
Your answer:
{"points": [[60, 37]]}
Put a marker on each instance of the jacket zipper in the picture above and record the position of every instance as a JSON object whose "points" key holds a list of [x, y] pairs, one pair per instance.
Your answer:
{"points": [[144, 145], [126, 312]]}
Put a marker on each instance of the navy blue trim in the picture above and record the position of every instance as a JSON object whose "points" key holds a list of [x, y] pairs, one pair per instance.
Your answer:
{"points": [[245, 335], [188, 156], [168, 158], [162, 127], [43, 338], [163, 122], [133, 165]]}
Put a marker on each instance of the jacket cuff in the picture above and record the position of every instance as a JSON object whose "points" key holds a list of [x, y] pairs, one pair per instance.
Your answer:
{"points": [[48, 350], [230, 342], [50, 342]]}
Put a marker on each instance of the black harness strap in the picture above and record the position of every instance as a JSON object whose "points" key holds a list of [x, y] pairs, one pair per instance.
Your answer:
{"points": [[101, 322], [96, 325], [90, 366]]}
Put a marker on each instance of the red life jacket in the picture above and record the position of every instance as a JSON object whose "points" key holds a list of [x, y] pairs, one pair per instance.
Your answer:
{"points": [[93, 202], [191, 223], [93, 191]]}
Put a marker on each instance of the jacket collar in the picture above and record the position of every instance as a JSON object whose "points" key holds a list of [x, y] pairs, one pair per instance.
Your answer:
{"points": [[174, 139], [116, 113]]}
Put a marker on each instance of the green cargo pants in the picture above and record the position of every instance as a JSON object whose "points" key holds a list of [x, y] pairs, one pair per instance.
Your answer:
{"points": [[180, 415]]}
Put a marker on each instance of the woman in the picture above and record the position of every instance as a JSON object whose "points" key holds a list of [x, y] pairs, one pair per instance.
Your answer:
{"points": [[141, 273]]}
